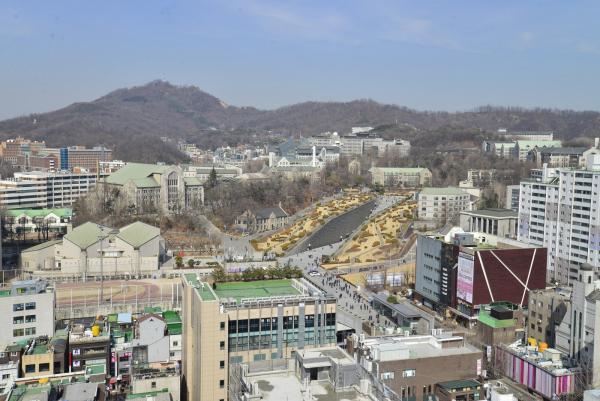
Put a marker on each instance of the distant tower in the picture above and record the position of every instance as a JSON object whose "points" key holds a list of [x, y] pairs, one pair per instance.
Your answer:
{"points": [[314, 156]]}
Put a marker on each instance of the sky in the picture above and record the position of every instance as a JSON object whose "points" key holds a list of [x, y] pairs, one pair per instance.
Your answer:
{"points": [[428, 55]]}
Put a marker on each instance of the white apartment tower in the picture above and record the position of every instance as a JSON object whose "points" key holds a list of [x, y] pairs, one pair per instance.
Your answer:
{"points": [[561, 211]]}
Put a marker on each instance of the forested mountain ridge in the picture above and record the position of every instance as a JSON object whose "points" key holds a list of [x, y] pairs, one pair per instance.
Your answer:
{"points": [[131, 120]]}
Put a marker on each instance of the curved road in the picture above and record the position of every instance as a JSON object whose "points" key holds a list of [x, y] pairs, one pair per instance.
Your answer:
{"points": [[342, 225]]}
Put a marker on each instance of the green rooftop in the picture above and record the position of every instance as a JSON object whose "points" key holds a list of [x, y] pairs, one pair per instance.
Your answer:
{"points": [[174, 325], [40, 349], [43, 245], [61, 212], [147, 394], [87, 234], [4, 293], [255, 289], [459, 384], [203, 290], [95, 369], [138, 233], [486, 318], [30, 392], [135, 171]]}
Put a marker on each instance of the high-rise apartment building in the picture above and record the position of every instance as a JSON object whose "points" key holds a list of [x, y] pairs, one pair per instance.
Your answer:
{"points": [[44, 190], [235, 322], [561, 211]]}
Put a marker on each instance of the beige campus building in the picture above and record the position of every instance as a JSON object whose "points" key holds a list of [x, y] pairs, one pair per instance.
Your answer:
{"points": [[406, 177], [241, 322], [151, 187], [89, 249]]}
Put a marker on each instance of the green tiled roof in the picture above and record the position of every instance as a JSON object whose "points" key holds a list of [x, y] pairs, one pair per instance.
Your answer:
{"points": [[87, 234], [134, 171], [442, 191], [146, 182], [64, 212], [43, 245], [192, 181], [4, 293], [138, 233]]}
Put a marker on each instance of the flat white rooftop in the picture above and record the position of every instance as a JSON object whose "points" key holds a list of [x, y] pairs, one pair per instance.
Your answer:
{"points": [[287, 387]]}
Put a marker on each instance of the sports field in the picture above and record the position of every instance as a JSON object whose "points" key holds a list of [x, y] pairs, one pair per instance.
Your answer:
{"points": [[255, 289]]}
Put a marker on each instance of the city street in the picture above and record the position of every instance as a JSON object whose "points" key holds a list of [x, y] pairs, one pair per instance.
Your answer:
{"points": [[353, 307]]}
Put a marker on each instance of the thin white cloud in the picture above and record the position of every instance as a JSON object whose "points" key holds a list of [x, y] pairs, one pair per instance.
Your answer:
{"points": [[418, 31], [526, 40], [587, 48], [285, 19]]}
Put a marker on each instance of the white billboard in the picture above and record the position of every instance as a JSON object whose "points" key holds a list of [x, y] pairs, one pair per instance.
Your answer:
{"points": [[464, 281]]}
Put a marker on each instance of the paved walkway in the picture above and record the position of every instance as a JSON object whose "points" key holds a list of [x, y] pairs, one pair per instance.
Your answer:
{"points": [[355, 305]]}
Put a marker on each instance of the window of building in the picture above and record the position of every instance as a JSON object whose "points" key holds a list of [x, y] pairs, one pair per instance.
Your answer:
{"points": [[18, 307], [18, 332], [175, 343], [153, 385], [30, 368], [221, 383], [30, 331], [409, 373], [30, 306], [30, 319], [44, 367], [222, 326], [18, 320], [387, 375], [221, 345], [6, 376], [221, 364]]}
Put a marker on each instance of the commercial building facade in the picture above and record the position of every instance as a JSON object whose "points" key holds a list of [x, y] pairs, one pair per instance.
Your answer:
{"points": [[547, 309], [411, 366], [241, 322], [461, 271]]}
